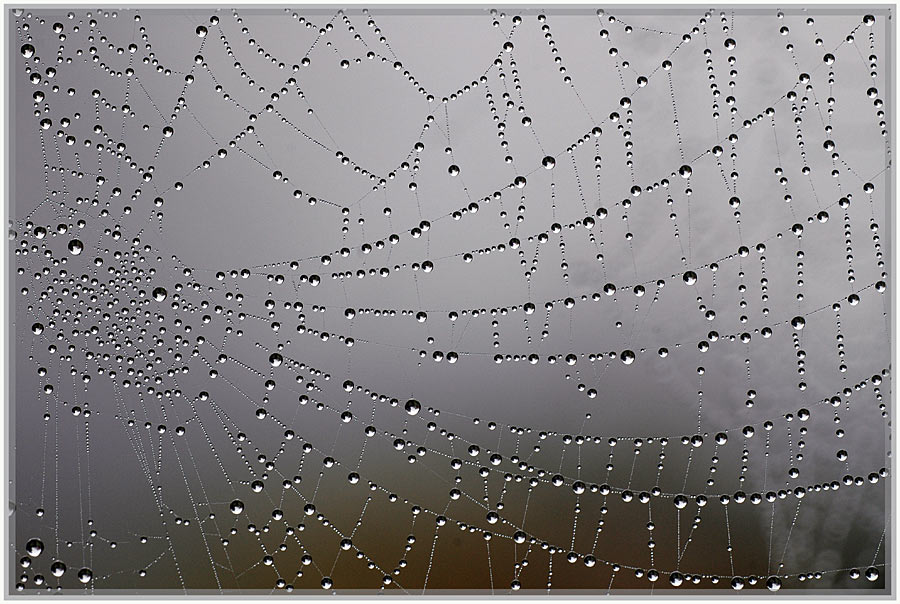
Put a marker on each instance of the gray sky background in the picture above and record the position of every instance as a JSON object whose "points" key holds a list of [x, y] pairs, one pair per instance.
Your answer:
{"points": [[348, 137]]}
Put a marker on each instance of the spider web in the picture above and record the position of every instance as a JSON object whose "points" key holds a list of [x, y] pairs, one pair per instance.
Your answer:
{"points": [[479, 300]]}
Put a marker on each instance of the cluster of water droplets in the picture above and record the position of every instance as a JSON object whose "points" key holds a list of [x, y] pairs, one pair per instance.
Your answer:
{"points": [[281, 438]]}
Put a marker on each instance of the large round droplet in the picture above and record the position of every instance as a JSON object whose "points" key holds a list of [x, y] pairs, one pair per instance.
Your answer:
{"points": [[75, 247], [27, 51], [690, 277], [627, 357], [413, 406], [159, 294], [85, 575], [34, 547], [236, 507], [549, 162], [798, 323], [773, 583]]}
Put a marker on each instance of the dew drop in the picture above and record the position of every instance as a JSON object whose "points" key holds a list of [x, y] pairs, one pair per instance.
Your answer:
{"points": [[75, 247], [34, 547]]}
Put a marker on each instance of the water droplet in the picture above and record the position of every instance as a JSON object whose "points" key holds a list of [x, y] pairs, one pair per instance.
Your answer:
{"points": [[34, 547], [413, 406], [57, 569], [690, 277], [549, 162], [236, 507], [160, 294], [27, 51], [75, 247]]}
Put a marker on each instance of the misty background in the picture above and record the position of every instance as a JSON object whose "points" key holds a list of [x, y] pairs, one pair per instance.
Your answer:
{"points": [[312, 202]]}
